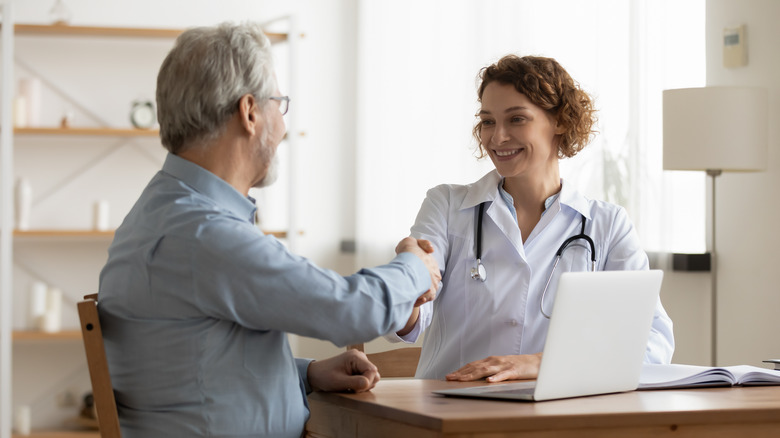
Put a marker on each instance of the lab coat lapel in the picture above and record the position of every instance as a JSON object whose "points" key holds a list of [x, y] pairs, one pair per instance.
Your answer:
{"points": [[574, 199], [500, 215], [486, 189]]}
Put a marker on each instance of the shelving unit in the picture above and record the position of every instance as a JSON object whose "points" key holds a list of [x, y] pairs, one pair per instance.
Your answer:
{"points": [[36, 237]]}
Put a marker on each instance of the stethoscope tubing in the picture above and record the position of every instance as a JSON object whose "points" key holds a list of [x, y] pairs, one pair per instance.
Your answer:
{"points": [[479, 273], [558, 255]]}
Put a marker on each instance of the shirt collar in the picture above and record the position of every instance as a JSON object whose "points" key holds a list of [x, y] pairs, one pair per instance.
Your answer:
{"points": [[211, 186], [570, 197], [482, 190], [487, 189]]}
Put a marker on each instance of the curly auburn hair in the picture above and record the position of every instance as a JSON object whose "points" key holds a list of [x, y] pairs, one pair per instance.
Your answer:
{"points": [[550, 87]]}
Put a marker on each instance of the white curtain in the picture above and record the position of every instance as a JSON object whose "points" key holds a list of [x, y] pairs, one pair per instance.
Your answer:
{"points": [[417, 67]]}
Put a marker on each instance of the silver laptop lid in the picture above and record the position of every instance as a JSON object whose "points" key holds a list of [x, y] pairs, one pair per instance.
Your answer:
{"points": [[598, 333]]}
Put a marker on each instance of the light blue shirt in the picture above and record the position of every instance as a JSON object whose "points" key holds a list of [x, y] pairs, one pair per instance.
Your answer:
{"points": [[510, 202], [196, 302]]}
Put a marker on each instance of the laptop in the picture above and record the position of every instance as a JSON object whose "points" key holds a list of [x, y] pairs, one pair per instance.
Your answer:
{"points": [[596, 341]]}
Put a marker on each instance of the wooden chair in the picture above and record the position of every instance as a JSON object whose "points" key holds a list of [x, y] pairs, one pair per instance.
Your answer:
{"points": [[102, 391], [401, 362]]}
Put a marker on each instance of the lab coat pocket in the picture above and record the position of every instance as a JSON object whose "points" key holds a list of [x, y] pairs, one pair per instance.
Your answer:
{"points": [[479, 301]]}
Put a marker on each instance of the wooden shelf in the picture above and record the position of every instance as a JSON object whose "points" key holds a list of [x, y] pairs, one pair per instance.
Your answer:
{"points": [[36, 335], [89, 132], [60, 434], [93, 31], [125, 32], [79, 234], [39, 234]]}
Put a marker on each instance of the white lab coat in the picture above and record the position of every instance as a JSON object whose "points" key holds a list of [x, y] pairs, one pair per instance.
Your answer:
{"points": [[471, 319]]}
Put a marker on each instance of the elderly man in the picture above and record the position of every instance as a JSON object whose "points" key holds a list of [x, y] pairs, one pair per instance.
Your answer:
{"points": [[196, 302]]}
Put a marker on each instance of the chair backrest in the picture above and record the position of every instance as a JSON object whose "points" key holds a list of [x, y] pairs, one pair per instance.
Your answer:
{"points": [[102, 391], [401, 362]]}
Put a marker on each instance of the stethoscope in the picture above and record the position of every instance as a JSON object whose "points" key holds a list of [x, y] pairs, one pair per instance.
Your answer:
{"points": [[478, 272]]}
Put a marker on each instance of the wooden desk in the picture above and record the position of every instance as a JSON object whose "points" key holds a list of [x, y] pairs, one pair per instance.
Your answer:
{"points": [[407, 409]]}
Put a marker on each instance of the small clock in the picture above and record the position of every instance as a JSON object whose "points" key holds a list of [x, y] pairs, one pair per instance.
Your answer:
{"points": [[142, 114]]}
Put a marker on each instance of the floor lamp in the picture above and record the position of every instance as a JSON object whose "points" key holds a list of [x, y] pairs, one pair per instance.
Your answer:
{"points": [[715, 129]]}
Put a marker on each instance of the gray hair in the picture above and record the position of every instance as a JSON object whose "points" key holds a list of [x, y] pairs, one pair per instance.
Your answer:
{"points": [[203, 77]]}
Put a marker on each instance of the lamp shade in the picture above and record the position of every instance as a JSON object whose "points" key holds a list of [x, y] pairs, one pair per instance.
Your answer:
{"points": [[724, 128]]}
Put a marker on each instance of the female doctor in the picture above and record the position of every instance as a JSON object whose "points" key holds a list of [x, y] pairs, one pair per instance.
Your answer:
{"points": [[489, 320]]}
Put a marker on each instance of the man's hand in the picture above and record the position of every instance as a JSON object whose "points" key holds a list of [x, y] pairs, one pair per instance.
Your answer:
{"points": [[499, 368], [349, 371], [422, 249]]}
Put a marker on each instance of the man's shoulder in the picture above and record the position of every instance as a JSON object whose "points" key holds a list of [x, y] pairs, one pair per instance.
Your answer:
{"points": [[167, 206]]}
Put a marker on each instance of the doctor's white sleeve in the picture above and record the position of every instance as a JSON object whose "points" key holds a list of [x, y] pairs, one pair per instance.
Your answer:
{"points": [[431, 224]]}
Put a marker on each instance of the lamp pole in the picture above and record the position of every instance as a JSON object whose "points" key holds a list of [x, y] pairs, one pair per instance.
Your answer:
{"points": [[713, 174]]}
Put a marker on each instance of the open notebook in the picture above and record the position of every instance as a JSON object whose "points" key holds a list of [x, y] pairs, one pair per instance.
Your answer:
{"points": [[596, 341], [693, 376]]}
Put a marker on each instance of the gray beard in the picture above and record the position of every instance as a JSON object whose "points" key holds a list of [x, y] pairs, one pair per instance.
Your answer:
{"points": [[271, 175]]}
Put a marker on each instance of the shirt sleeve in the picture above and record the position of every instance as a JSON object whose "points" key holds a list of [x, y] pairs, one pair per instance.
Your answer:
{"points": [[625, 253], [240, 275], [303, 372], [431, 224]]}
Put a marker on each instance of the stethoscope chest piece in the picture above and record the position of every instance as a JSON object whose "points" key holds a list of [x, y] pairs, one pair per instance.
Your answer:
{"points": [[478, 272]]}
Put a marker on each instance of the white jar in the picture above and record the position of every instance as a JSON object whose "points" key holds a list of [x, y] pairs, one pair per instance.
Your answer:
{"points": [[23, 203]]}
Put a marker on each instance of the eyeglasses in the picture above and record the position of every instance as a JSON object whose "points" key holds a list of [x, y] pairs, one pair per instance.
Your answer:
{"points": [[284, 103]]}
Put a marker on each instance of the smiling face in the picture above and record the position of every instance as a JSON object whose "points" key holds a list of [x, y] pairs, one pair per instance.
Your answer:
{"points": [[519, 136]]}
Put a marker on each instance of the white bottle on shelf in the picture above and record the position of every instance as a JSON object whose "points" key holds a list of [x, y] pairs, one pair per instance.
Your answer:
{"points": [[38, 301], [30, 89], [52, 319], [100, 216], [23, 203], [20, 112], [22, 420]]}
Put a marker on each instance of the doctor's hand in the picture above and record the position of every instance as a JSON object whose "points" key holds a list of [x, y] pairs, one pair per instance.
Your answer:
{"points": [[423, 249], [349, 371], [499, 368]]}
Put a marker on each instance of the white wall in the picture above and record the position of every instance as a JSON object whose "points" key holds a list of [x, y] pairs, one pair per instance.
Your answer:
{"points": [[747, 233], [686, 298]]}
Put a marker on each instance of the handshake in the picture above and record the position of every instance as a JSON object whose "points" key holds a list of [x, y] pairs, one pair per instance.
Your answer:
{"points": [[422, 249]]}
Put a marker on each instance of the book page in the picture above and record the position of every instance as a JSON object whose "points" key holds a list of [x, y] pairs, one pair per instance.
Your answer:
{"points": [[679, 375], [685, 376], [749, 375]]}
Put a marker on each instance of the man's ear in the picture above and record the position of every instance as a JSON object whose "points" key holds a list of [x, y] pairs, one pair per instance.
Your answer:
{"points": [[249, 113]]}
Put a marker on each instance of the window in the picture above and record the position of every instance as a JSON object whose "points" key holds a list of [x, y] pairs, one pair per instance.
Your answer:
{"points": [[418, 63]]}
